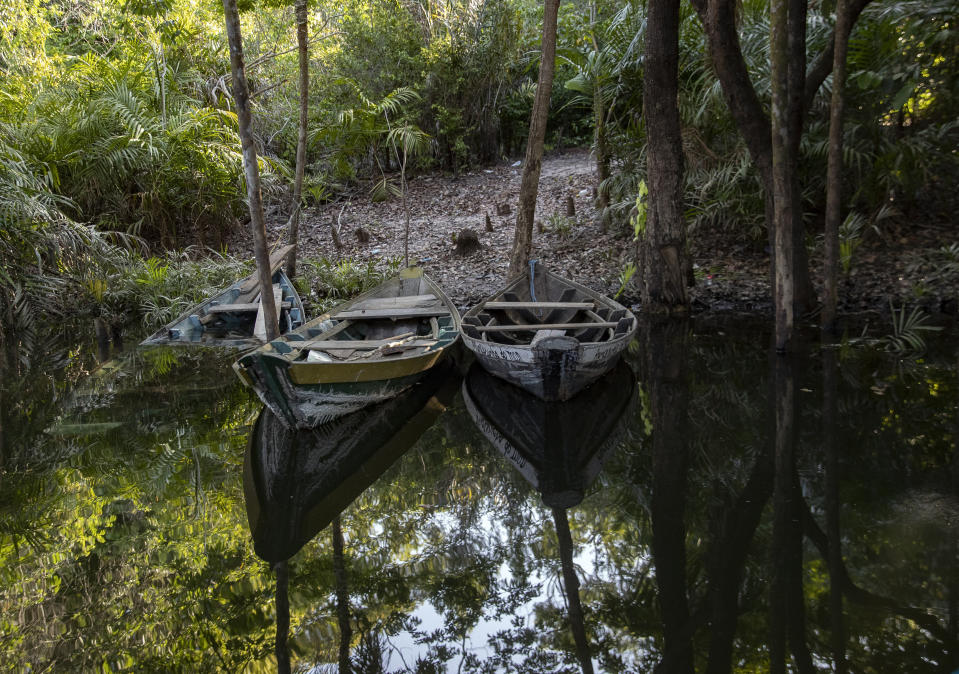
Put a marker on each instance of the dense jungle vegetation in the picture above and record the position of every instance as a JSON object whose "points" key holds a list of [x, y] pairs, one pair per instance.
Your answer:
{"points": [[119, 149]]}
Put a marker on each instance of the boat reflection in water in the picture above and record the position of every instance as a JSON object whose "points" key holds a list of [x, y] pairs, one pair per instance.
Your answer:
{"points": [[297, 482], [559, 447]]}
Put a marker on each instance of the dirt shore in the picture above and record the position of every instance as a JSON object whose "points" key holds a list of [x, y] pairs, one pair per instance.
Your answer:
{"points": [[900, 263]]}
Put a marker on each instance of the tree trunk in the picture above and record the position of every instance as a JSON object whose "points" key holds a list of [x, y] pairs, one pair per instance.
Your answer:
{"points": [[526, 210], [719, 22], [303, 49], [599, 116], [663, 246], [783, 176], [834, 168], [241, 94]]}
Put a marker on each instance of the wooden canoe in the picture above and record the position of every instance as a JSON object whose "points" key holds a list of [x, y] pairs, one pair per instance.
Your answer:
{"points": [[558, 447], [363, 352], [549, 335], [296, 482], [234, 317]]}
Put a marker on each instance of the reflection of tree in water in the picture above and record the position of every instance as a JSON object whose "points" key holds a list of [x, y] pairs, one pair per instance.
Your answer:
{"points": [[739, 606], [132, 539], [297, 482], [111, 539], [560, 448]]}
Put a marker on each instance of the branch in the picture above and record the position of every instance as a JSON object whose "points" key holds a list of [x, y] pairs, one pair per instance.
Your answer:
{"points": [[274, 54], [719, 23], [268, 88], [821, 66]]}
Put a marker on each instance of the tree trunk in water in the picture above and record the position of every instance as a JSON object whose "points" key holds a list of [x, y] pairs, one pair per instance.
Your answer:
{"points": [[834, 168], [281, 649], [662, 249], [342, 598], [241, 94], [526, 210], [783, 174], [303, 49], [571, 585]]}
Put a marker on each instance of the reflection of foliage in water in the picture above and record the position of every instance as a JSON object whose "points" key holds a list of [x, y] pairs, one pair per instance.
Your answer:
{"points": [[138, 535], [136, 542]]}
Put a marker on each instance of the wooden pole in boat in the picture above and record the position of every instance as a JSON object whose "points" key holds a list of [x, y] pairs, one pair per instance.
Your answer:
{"points": [[241, 95]]}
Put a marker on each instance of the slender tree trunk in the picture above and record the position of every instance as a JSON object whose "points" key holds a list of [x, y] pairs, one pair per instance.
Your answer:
{"points": [[783, 173], [719, 22], [241, 94], [662, 249], [804, 296], [281, 649], [571, 585], [602, 150], [526, 210], [342, 597], [834, 167], [303, 50]]}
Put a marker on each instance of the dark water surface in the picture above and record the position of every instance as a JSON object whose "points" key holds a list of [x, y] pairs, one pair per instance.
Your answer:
{"points": [[706, 507]]}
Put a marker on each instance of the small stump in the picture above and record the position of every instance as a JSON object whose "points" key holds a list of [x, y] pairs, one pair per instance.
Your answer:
{"points": [[467, 242], [362, 235]]}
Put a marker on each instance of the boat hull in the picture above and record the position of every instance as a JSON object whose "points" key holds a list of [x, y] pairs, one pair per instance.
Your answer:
{"points": [[307, 404]]}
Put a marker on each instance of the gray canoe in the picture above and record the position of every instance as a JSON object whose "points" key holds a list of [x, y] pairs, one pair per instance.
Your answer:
{"points": [[548, 335]]}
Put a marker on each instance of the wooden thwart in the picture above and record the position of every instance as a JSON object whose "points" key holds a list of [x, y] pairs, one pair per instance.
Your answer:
{"points": [[348, 343], [406, 301], [414, 312], [541, 326], [539, 305], [242, 308]]}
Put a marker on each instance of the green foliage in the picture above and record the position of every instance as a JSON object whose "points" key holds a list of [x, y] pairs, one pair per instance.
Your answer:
{"points": [[625, 276], [638, 219], [560, 225], [908, 329], [330, 282]]}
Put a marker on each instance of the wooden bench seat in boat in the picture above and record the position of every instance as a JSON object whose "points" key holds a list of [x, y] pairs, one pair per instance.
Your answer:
{"points": [[402, 302], [246, 307], [321, 344], [541, 326], [539, 305], [412, 312]]}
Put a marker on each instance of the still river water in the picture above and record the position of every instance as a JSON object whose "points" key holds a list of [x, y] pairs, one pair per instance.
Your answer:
{"points": [[705, 507]]}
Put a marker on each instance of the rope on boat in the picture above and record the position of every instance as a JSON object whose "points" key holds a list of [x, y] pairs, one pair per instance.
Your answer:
{"points": [[532, 276]]}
